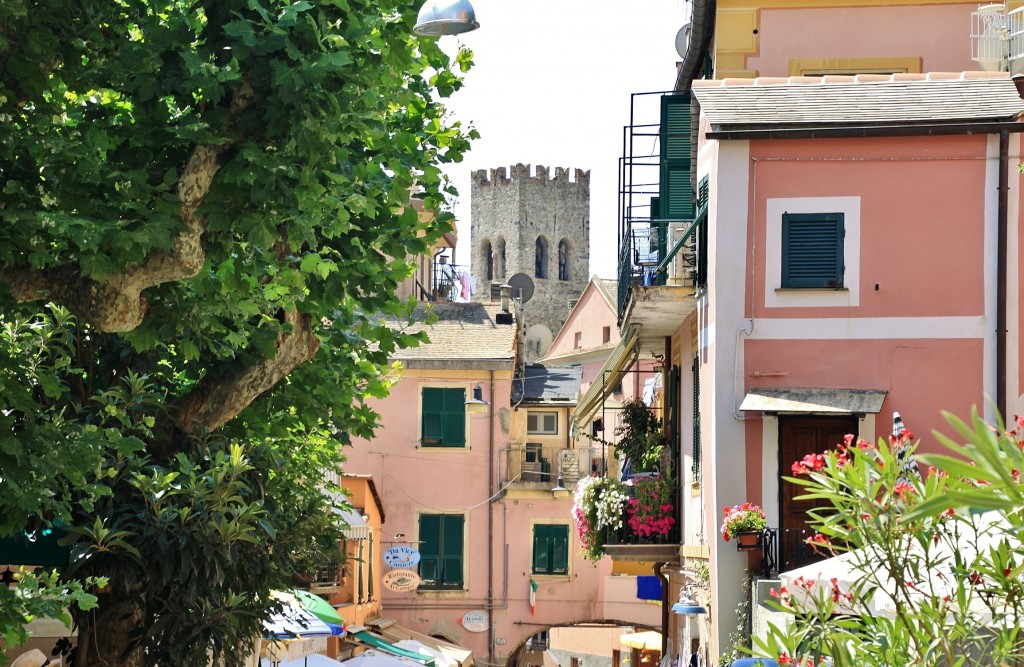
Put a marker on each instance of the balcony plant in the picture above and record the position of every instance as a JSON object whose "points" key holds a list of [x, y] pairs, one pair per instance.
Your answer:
{"points": [[745, 518], [640, 439], [597, 512], [651, 510]]}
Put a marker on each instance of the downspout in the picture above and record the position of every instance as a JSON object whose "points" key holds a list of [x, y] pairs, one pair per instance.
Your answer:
{"points": [[490, 521], [702, 28], [663, 579], [1001, 261]]}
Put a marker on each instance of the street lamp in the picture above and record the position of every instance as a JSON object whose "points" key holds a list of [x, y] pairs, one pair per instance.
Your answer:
{"points": [[445, 17]]}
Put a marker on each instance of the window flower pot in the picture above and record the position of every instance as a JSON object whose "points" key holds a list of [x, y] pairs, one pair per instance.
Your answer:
{"points": [[749, 540]]}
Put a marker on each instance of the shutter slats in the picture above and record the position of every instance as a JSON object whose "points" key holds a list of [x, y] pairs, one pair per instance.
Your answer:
{"points": [[812, 250]]}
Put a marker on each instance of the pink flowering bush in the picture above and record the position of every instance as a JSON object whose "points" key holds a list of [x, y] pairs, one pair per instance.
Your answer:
{"points": [[741, 518], [651, 511]]}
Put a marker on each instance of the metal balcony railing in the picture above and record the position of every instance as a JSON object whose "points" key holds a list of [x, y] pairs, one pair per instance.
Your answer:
{"points": [[447, 280], [534, 464], [627, 535]]}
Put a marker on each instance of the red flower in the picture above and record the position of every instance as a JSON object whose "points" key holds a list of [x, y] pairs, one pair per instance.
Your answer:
{"points": [[784, 659]]}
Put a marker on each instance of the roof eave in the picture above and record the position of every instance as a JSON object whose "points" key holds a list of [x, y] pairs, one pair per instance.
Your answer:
{"points": [[748, 132]]}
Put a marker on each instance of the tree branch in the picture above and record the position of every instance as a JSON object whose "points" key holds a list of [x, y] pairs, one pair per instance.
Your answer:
{"points": [[214, 402]]}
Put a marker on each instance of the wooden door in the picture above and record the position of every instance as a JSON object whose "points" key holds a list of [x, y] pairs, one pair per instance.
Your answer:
{"points": [[798, 437]]}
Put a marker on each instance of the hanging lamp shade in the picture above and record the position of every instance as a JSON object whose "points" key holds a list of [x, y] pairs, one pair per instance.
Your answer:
{"points": [[689, 606], [445, 17]]}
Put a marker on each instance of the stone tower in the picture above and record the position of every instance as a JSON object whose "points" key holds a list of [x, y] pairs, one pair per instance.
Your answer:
{"points": [[538, 226]]}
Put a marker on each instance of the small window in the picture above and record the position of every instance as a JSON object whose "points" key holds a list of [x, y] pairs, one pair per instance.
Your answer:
{"points": [[812, 250], [550, 549], [606, 334], [541, 258], [444, 417], [577, 342], [564, 267], [441, 539], [542, 423], [488, 255]]}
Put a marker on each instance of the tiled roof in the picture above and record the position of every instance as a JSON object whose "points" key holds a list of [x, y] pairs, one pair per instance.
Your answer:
{"points": [[548, 384], [463, 331], [870, 99]]}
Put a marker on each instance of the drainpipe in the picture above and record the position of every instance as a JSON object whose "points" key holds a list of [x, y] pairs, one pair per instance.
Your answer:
{"points": [[664, 606], [1001, 261], [490, 522], [702, 27]]}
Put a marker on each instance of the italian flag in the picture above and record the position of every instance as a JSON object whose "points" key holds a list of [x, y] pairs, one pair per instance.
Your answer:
{"points": [[533, 597]]}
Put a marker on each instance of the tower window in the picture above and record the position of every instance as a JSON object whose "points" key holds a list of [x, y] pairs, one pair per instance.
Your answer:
{"points": [[485, 250], [541, 258], [499, 259], [564, 269]]}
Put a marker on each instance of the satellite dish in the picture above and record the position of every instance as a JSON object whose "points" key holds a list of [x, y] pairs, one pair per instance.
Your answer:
{"points": [[683, 40], [522, 287]]}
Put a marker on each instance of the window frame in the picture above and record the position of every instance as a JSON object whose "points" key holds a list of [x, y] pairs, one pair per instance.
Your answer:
{"points": [[449, 528], [541, 415], [451, 415], [553, 536]]}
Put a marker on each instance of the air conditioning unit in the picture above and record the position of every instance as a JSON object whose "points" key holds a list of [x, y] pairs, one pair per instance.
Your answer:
{"points": [[997, 38]]}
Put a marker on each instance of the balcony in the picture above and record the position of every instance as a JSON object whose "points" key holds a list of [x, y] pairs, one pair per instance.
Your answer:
{"points": [[626, 544], [532, 467], [662, 220]]}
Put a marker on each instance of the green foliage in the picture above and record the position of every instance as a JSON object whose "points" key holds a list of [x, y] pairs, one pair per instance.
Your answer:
{"points": [[321, 118], [639, 434], [936, 561], [40, 594], [597, 509]]}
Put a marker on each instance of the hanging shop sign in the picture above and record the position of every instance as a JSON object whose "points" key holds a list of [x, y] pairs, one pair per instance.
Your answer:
{"points": [[402, 556], [475, 621], [401, 581]]}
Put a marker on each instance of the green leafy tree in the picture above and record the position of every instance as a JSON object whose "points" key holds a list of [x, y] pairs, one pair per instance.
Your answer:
{"points": [[935, 561], [204, 216]]}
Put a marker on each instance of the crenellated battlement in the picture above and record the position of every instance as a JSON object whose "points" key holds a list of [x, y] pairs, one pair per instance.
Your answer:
{"points": [[521, 173]]}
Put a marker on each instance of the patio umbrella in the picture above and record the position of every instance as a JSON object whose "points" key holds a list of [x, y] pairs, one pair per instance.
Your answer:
{"points": [[375, 658], [315, 660], [319, 607], [645, 641]]}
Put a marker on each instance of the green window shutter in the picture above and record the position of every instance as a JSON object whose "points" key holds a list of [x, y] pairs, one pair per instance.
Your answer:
{"points": [[560, 549], [430, 549], [703, 189], [451, 542], [812, 250], [444, 417], [540, 549], [695, 467], [550, 549], [675, 192], [455, 418]]}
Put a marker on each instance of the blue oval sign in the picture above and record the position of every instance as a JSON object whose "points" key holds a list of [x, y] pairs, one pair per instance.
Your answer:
{"points": [[402, 556]]}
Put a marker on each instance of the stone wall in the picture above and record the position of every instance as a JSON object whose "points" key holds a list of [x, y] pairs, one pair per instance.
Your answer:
{"points": [[511, 210]]}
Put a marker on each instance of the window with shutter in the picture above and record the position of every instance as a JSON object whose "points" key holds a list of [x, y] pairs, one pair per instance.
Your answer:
{"points": [[812, 250], [441, 548], [550, 549], [444, 417], [675, 191]]}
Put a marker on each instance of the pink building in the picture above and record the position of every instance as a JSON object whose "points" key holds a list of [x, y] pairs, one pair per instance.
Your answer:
{"points": [[834, 236]]}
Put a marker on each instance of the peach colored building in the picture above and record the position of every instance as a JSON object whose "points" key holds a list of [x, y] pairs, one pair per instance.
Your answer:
{"points": [[834, 236]]}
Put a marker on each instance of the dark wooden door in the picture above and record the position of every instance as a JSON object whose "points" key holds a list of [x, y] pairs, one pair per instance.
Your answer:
{"points": [[798, 437]]}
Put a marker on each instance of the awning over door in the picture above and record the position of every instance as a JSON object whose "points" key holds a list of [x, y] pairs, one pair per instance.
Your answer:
{"points": [[814, 400], [453, 654], [606, 380]]}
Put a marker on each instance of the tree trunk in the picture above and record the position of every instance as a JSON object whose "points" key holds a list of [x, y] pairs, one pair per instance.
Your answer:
{"points": [[109, 636]]}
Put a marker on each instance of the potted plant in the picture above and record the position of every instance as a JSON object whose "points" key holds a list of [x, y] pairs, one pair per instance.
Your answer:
{"points": [[639, 434], [597, 511], [745, 522], [651, 510]]}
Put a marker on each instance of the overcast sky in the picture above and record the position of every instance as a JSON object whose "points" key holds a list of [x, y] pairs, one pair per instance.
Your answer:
{"points": [[552, 85]]}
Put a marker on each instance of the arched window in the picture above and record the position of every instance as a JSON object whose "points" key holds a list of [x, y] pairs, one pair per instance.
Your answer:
{"points": [[488, 258], [541, 258], [564, 265], [499, 259]]}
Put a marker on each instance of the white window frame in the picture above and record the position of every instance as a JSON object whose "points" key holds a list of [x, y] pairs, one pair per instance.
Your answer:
{"points": [[542, 417], [775, 296]]}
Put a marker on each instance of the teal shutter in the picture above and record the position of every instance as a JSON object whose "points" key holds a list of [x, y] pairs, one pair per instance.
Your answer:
{"points": [[430, 549], [451, 543], [812, 250], [675, 192], [695, 467], [559, 549], [454, 417], [444, 417], [550, 549]]}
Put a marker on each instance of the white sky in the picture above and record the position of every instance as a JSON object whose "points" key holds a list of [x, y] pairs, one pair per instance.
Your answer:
{"points": [[551, 85]]}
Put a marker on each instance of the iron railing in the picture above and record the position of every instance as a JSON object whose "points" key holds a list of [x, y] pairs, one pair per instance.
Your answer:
{"points": [[628, 535], [794, 550], [447, 280], [534, 464]]}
